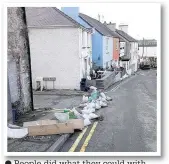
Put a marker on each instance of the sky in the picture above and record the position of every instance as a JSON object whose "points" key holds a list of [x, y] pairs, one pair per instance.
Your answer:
{"points": [[143, 19]]}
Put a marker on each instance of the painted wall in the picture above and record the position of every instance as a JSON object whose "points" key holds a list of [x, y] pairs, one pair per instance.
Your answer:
{"points": [[56, 53], [97, 38], [97, 49], [116, 49], [107, 51]]}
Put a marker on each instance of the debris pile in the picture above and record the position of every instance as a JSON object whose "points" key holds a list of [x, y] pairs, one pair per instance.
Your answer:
{"points": [[66, 120]]}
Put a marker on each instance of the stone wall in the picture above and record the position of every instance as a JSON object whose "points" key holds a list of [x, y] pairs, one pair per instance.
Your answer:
{"points": [[19, 70]]}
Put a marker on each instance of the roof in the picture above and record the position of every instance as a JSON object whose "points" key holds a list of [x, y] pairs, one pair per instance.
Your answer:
{"points": [[116, 35], [126, 36], [40, 17], [100, 27], [147, 43]]}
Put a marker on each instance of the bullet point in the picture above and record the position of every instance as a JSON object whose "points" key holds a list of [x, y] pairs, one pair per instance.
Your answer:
{"points": [[8, 162]]}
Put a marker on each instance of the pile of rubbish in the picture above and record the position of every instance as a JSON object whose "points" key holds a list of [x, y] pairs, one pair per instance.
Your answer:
{"points": [[66, 120]]}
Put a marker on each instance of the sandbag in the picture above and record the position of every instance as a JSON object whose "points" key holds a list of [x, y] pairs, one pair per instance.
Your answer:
{"points": [[93, 88], [84, 99], [104, 100], [103, 104], [103, 95], [93, 116], [91, 105], [85, 108], [108, 98], [77, 114], [88, 111], [17, 133], [97, 105], [87, 122], [86, 116], [83, 105]]}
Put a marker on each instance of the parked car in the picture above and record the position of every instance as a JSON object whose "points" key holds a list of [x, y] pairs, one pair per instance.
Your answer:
{"points": [[145, 64]]}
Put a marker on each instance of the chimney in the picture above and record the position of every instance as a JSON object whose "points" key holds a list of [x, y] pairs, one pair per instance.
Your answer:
{"points": [[102, 20], [99, 17], [123, 27], [72, 12], [112, 26]]}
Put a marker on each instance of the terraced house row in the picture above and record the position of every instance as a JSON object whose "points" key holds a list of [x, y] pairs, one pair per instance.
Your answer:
{"points": [[65, 45]]}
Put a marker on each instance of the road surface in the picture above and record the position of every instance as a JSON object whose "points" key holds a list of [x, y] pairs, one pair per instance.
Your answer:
{"points": [[129, 123]]}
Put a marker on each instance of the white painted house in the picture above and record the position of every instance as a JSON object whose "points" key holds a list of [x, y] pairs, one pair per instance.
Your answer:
{"points": [[128, 50], [60, 49]]}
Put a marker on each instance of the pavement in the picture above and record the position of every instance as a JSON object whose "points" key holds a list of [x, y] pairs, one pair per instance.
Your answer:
{"points": [[129, 123], [129, 120]]}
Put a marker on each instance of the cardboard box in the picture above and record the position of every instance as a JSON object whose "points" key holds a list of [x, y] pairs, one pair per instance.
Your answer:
{"points": [[48, 127], [77, 123]]}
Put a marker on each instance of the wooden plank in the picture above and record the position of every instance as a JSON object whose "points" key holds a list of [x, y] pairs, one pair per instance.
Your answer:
{"points": [[59, 128]]}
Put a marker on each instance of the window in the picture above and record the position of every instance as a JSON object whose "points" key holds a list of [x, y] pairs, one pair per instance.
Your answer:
{"points": [[84, 39], [88, 40], [107, 44]]}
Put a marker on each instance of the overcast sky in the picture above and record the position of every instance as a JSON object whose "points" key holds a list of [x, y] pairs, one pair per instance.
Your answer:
{"points": [[143, 19]]}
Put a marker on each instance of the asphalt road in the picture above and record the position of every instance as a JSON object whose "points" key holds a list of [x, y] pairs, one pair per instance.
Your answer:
{"points": [[129, 123]]}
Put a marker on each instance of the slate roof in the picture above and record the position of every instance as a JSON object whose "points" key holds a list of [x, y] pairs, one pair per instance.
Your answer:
{"points": [[116, 35], [126, 36], [147, 43], [41, 17], [100, 27]]}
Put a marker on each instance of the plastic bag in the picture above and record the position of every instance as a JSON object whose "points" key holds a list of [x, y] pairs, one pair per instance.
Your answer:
{"points": [[62, 117], [87, 122], [94, 95]]}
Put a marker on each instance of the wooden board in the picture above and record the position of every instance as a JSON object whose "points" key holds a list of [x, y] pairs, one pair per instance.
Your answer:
{"points": [[48, 127]]}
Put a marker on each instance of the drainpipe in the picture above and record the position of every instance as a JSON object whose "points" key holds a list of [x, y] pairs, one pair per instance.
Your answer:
{"points": [[143, 48]]}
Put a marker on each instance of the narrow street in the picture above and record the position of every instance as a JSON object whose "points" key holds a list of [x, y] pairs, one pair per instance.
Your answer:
{"points": [[129, 121]]}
